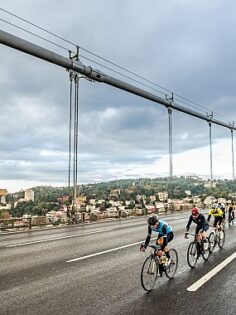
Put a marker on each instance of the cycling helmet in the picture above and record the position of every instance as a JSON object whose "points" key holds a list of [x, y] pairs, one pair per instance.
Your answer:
{"points": [[195, 211], [152, 220]]}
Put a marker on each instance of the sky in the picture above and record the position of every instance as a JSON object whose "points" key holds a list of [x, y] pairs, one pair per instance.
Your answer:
{"points": [[185, 46]]}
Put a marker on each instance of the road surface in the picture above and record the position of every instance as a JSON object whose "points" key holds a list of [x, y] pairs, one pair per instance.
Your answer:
{"points": [[95, 269]]}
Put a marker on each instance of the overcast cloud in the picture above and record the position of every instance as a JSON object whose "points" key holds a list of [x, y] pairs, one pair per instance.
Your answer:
{"points": [[185, 46]]}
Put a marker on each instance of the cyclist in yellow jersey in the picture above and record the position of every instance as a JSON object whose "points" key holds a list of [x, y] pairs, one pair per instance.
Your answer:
{"points": [[218, 214]]}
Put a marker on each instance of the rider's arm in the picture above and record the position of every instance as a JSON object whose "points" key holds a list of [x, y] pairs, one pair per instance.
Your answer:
{"points": [[164, 231], [148, 236], [219, 213], [189, 223]]}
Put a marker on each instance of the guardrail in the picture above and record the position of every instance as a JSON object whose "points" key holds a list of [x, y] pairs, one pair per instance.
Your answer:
{"points": [[43, 221], [13, 223]]}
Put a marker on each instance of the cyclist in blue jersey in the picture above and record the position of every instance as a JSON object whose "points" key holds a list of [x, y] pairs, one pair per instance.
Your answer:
{"points": [[165, 234]]}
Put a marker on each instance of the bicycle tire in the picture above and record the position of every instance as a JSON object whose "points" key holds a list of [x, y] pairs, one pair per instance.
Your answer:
{"points": [[192, 254], [221, 239], [206, 252], [149, 273], [212, 244], [171, 269]]}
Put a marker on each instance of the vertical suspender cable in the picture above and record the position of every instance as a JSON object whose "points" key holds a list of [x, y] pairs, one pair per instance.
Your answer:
{"points": [[170, 143], [232, 142], [70, 132], [75, 140], [210, 153], [77, 132], [170, 153]]}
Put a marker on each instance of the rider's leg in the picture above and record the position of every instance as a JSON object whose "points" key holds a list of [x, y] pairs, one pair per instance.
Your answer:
{"points": [[168, 238], [215, 222], [204, 235]]}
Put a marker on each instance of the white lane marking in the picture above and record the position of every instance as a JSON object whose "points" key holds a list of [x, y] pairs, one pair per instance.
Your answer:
{"points": [[106, 251], [210, 274], [54, 239]]}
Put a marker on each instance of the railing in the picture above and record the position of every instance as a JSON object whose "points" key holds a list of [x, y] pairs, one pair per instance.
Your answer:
{"points": [[17, 223], [43, 221]]}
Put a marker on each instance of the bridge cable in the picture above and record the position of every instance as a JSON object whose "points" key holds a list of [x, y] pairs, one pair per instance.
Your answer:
{"points": [[211, 169], [169, 110], [232, 143], [170, 152], [70, 131], [96, 55], [170, 143], [76, 128]]}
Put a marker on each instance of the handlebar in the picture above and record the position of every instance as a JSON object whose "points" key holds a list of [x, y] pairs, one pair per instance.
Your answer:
{"points": [[187, 233], [154, 247]]}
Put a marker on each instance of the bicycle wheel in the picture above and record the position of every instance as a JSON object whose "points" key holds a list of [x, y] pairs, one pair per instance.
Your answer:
{"points": [[149, 273], [221, 239], [170, 270], [206, 249], [192, 255], [211, 239]]}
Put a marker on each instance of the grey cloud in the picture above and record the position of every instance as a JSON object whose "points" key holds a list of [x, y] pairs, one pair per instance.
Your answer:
{"points": [[186, 47]]}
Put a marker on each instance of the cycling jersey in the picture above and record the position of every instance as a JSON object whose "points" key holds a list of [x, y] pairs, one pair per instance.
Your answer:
{"points": [[164, 229], [216, 213], [221, 206], [200, 221]]}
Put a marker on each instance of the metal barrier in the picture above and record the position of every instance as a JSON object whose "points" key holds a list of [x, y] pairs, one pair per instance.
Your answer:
{"points": [[83, 217], [17, 223]]}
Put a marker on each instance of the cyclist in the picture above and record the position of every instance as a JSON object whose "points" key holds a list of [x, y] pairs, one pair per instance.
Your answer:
{"points": [[200, 220], [221, 206], [217, 213], [231, 212], [165, 234]]}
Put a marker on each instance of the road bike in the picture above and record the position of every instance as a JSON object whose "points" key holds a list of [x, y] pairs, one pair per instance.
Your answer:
{"points": [[154, 267], [198, 247], [217, 237]]}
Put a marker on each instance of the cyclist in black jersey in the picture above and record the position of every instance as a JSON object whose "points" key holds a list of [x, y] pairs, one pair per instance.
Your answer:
{"points": [[231, 212], [200, 220]]}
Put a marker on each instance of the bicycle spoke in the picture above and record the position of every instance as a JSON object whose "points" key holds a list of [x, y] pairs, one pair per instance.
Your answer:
{"points": [[192, 254], [206, 249], [221, 239], [211, 239], [149, 273], [170, 270]]}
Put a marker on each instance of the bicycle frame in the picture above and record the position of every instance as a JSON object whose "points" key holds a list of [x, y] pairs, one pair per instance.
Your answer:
{"points": [[155, 249], [154, 266], [219, 236], [197, 248], [198, 240]]}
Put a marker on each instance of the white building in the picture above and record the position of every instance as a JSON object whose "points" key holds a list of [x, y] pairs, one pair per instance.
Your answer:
{"points": [[188, 192], [29, 195], [209, 200], [210, 184], [3, 199], [163, 196]]}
